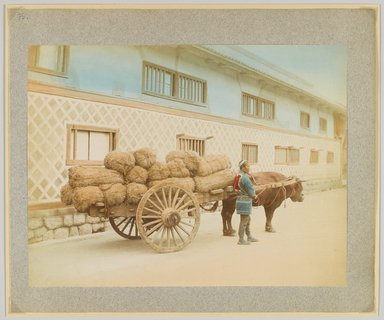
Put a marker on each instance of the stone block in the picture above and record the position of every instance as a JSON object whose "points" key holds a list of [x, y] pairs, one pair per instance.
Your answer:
{"points": [[107, 226], [68, 220], [48, 235], [73, 231], [35, 223], [97, 227], [53, 222], [85, 229], [61, 233], [92, 219], [40, 232], [78, 219]]}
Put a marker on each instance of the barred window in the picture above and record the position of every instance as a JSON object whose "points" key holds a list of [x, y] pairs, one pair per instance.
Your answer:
{"points": [[87, 145], [323, 124], [48, 59], [314, 157], [257, 107], [287, 155], [160, 81], [330, 157], [188, 143], [249, 152], [304, 120]]}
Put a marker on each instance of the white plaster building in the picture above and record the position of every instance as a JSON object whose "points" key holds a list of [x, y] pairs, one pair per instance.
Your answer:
{"points": [[86, 100]]}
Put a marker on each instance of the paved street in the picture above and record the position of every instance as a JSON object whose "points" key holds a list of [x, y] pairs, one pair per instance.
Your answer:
{"points": [[308, 249]]}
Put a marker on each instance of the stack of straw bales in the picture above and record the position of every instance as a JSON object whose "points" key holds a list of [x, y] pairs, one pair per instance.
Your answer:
{"points": [[127, 176]]}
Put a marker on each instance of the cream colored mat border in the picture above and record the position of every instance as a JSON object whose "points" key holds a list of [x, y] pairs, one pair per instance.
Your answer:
{"points": [[351, 26]]}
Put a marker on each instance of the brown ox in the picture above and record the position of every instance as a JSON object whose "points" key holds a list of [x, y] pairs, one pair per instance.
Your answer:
{"points": [[270, 197]]}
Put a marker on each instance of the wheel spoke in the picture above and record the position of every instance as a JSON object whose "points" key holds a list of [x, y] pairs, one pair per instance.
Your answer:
{"points": [[162, 237], [152, 222], [121, 222], [153, 211], [175, 198], [177, 231], [181, 200], [173, 236], [126, 225], [152, 230], [160, 202], [164, 197], [132, 223], [151, 217], [168, 238], [170, 197], [183, 229], [187, 224], [154, 204], [185, 205]]}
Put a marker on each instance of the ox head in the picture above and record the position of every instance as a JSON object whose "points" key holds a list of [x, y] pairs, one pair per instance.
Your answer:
{"points": [[297, 193]]}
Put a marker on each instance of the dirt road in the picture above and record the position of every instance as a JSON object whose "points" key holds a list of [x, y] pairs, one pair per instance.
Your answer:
{"points": [[308, 249]]}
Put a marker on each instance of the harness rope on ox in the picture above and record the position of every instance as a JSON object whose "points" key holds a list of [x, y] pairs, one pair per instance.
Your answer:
{"points": [[280, 184]]}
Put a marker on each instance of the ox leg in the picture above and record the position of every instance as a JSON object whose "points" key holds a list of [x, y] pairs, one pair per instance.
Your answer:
{"points": [[269, 215], [226, 214]]}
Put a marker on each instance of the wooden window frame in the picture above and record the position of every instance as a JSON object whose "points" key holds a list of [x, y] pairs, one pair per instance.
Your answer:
{"points": [[177, 79], [62, 61], [71, 149], [330, 157], [248, 157], [305, 116], [191, 143], [259, 106], [323, 124], [288, 155], [314, 156]]}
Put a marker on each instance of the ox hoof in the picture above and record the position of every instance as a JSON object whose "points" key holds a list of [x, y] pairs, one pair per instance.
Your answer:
{"points": [[270, 229]]}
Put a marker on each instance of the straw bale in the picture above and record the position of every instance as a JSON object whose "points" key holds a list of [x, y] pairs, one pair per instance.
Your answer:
{"points": [[145, 157], [216, 180], [177, 169], [93, 176], [66, 194], [159, 171], [137, 174], [185, 183], [135, 192], [84, 197], [190, 159], [212, 163], [119, 161], [114, 194]]}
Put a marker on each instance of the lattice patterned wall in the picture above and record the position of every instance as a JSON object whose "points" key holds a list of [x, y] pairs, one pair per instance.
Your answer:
{"points": [[49, 114]]}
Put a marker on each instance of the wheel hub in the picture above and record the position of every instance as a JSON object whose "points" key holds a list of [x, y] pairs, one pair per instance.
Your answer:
{"points": [[170, 217]]}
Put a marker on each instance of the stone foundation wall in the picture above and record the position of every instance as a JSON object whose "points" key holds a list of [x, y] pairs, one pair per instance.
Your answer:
{"points": [[63, 223]]}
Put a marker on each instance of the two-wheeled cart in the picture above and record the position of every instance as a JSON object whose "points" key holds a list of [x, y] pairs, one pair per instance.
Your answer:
{"points": [[167, 216]]}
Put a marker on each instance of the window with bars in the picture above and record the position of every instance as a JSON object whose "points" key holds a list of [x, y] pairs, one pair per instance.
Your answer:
{"points": [[257, 107], [314, 157], [188, 143], [249, 152], [323, 124], [164, 82], [287, 155], [87, 145], [304, 120], [330, 157], [48, 59]]}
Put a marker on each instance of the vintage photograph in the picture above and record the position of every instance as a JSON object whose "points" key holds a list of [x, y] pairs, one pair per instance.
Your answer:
{"points": [[194, 160], [134, 151]]}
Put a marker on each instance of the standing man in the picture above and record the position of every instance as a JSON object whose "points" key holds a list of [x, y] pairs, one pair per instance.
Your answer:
{"points": [[244, 203]]}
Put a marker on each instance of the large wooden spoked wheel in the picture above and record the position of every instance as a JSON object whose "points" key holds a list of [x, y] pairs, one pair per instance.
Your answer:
{"points": [[168, 217], [125, 227]]}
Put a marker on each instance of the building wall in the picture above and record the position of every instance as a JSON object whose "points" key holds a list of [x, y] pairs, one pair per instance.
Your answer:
{"points": [[49, 114], [117, 71], [103, 88]]}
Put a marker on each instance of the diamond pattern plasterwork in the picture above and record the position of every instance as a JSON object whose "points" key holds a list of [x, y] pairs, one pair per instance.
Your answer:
{"points": [[49, 114]]}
